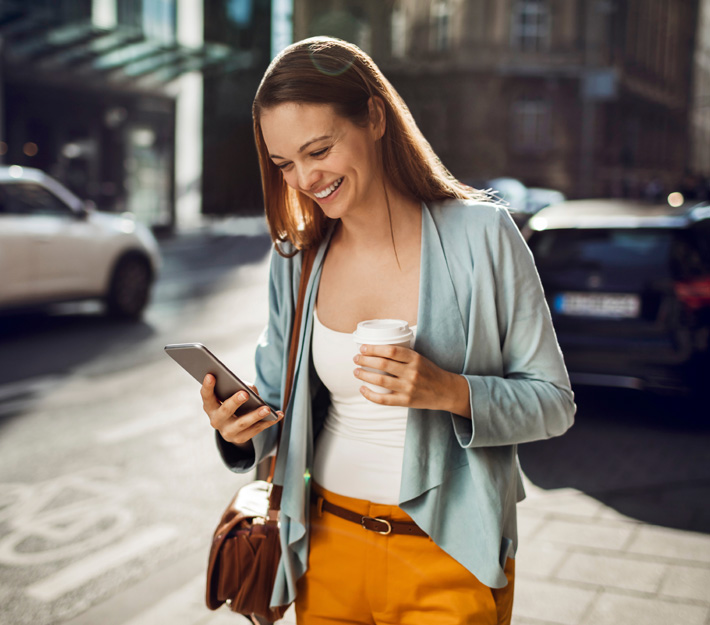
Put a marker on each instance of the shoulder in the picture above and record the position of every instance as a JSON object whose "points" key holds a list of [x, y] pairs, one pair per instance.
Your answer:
{"points": [[471, 219]]}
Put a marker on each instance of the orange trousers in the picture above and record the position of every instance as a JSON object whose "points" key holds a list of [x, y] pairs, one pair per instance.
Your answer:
{"points": [[361, 577]]}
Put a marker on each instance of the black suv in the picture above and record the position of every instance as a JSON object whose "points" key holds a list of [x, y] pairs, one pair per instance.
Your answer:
{"points": [[628, 286]]}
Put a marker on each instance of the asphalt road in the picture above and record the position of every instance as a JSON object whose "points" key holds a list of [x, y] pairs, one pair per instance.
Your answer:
{"points": [[108, 471]]}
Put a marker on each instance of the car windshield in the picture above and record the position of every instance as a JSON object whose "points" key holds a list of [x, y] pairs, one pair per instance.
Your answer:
{"points": [[601, 248]]}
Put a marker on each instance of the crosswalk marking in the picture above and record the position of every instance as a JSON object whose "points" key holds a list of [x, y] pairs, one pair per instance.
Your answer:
{"points": [[79, 573]]}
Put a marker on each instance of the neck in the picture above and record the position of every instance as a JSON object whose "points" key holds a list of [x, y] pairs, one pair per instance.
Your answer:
{"points": [[370, 227]]}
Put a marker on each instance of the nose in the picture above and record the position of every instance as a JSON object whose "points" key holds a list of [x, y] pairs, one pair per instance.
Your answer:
{"points": [[307, 176]]}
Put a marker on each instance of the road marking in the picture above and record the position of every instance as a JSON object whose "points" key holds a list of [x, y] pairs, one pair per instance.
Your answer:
{"points": [[142, 425], [66, 516], [27, 387], [83, 571], [15, 397]]}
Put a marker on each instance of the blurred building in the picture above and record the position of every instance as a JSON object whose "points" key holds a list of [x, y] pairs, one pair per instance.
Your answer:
{"points": [[700, 106], [107, 96], [590, 97], [231, 178]]}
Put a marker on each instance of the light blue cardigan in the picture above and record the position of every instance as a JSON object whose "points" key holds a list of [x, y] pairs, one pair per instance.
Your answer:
{"points": [[481, 313]]}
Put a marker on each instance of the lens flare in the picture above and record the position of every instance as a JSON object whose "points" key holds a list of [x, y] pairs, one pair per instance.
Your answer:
{"points": [[676, 199]]}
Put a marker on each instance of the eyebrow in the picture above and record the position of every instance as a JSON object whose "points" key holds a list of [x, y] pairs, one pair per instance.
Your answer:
{"points": [[304, 146]]}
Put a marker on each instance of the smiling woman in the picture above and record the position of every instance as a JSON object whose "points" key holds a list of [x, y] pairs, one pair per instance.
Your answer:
{"points": [[341, 82], [325, 157], [397, 441]]}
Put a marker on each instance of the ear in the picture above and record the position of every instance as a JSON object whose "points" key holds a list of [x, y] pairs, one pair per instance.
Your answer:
{"points": [[376, 108]]}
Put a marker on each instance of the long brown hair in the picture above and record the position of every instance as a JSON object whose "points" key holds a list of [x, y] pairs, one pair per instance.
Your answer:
{"points": [[323, 70]]}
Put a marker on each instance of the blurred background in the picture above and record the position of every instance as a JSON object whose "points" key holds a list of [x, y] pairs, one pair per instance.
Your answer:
{"points": [[131, 217]]}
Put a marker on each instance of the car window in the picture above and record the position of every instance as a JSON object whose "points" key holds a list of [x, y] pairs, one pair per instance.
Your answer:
{"points": [[30, 198], [601, 248]]}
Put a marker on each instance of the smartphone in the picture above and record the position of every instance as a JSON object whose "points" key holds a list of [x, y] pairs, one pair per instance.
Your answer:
{"points": [[198, 361]]}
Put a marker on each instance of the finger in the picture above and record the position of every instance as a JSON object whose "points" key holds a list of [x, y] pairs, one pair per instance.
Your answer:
{"points": [[383, 399], [383, 364], [252, 417], [389, 382], [241, 431], [209, 399], [234, 403], [392, 352], [223, 420]]}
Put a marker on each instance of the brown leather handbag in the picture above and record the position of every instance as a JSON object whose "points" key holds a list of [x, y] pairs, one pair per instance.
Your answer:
{"points": [[246, 549]]}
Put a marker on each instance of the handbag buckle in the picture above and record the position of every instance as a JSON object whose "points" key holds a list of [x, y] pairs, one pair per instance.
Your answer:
{"points": [[388, 527]]}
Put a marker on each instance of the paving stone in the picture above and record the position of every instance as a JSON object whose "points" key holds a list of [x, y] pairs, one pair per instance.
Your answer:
{"points": [[540, 559], [521, 620], [528, 524], [617, 572], [687, 582], [571, 502], [551, 602], [671, 543], [596, 534], [223, 617], [612, 609]]}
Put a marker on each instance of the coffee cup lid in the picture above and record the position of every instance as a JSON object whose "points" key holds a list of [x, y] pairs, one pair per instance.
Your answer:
{"points": [[382, 331]]}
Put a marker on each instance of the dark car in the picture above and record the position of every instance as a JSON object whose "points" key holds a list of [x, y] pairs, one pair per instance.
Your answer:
{"points": [[628, 286], [523, 202]]}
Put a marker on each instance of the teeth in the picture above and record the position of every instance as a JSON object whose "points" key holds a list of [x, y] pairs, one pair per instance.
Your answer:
{"points": [[326, 192]]}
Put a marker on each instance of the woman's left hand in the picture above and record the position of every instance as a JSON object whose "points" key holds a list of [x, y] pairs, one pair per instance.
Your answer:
{"points": [[415, 381]]}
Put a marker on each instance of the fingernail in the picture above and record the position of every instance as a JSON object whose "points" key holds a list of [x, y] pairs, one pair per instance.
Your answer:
{"points": [[242, 396], [357, 358], [363, 349], [264, 411], [357, 372]]}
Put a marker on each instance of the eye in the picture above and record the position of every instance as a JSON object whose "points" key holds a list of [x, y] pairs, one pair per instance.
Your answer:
{"points": [[318, 153], [283, 166]]}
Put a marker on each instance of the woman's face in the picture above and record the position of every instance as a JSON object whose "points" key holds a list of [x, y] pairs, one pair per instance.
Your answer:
{"points": [[325, 156]]}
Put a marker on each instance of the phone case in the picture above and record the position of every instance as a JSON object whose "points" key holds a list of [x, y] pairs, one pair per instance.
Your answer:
{"points": [[198, 361]]}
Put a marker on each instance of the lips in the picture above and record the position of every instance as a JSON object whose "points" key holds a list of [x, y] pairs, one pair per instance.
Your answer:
{"points": [[321, 195]]}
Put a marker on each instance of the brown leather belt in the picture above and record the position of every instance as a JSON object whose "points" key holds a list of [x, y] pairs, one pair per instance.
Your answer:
{"points": [[374, 524]]}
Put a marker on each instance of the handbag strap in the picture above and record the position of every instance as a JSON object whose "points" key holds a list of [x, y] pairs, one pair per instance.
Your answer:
{"points": [[309, 256]]}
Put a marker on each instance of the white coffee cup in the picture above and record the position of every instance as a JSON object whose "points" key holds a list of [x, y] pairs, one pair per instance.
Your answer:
{"points": [[383, 332]]}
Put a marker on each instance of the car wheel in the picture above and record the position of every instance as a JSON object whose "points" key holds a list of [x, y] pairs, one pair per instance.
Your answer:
{"points": [[130, 288]]}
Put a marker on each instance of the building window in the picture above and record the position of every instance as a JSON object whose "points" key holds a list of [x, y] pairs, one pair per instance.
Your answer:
{"points": [[346, 23], [531, 25], [440, 25], [160, 20], [531, 125], [398, 32]]}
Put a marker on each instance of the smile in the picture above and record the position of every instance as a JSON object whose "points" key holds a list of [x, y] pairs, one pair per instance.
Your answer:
{"points": [[328, 190]]}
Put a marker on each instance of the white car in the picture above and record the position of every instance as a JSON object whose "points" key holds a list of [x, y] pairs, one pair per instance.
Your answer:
{"points": [[54, 248]]}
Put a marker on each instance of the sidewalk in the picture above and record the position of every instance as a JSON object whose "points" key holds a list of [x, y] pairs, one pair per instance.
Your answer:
{"points": [[579, 563]]}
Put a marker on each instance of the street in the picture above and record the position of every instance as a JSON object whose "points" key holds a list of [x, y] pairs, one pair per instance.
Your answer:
{"points": [[110, 481], [107, 462]]}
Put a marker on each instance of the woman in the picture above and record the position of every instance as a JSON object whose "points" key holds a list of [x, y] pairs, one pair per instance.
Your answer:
{"points": [[428, 472]]}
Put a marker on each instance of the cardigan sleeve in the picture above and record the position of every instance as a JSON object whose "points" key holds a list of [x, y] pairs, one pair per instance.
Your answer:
{"points": [[269, 361], [533, 399]]}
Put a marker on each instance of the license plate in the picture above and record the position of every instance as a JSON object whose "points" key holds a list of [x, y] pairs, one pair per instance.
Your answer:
{"points": [[606, 305]]}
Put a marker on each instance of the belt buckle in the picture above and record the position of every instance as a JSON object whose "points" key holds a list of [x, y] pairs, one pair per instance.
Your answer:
{"points": [[385, 521]]}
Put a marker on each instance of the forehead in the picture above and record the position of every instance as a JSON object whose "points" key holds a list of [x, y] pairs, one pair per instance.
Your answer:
{"points": [[286, 127]]}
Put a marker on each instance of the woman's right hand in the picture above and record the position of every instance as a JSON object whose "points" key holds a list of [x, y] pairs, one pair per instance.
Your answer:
{"points": [[234, 429]]}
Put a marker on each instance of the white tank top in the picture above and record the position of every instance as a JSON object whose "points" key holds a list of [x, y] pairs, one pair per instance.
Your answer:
{"points": [[360, 448]]}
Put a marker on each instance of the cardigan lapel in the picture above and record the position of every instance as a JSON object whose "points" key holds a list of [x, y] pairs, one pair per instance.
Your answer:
{"points": [[298, 426], [441, 338]]}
